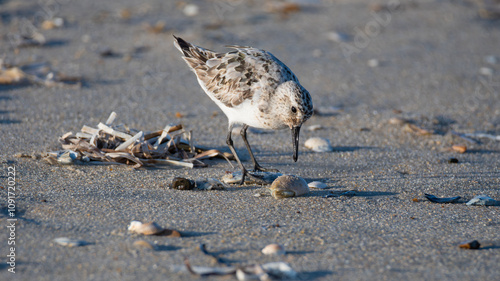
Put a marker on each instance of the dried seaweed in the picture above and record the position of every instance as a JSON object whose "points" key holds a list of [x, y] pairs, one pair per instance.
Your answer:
{"points": [[108, 144]]}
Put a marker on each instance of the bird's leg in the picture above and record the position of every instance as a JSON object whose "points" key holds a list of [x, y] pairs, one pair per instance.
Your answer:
{"points": [[256, 166], [244, 172]]}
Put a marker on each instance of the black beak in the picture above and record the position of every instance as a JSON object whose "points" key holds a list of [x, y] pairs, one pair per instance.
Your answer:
{"points": [[295, 139]]}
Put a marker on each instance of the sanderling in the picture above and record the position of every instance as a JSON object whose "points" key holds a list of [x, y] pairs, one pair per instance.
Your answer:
{"points": [[253, 88]]}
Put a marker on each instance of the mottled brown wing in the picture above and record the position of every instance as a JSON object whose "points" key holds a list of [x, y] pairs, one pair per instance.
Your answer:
{"points": [[236, 76]]}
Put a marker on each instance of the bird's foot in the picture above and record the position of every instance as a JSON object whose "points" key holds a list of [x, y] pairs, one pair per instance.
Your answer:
{"points": [[262, 169], [253, 178]]}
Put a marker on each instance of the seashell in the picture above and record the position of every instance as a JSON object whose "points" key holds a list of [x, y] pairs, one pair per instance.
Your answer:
{"points": [[211, 184], [373, 63], [486, 71], [288, 186], [191, 10], [274, 249], [69, 242], [435, 199], [315, 127], [255, 272], [319, 145], [337, 36], [143, 244], [483, 200], [317, 184], [280, 269], [182, 184], [397, 121], [150, 228], [474, 244], [490, 59], [459, 148]]}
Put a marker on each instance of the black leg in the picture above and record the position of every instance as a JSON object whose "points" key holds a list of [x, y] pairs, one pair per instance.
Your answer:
{"points": [[256, 166], [244, 172], [229, 142]]}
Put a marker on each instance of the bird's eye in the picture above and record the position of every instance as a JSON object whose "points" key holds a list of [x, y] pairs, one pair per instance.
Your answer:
{"points": [[294, 109]]}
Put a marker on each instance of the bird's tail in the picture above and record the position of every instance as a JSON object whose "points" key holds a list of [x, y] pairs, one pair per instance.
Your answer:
{"points": [[192, 51]]}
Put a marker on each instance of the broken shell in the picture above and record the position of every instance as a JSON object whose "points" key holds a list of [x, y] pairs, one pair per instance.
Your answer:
{"points": [[474, 244], [288, 186], [69, 242], [182, 184], [317, 184], [483, 200], [274, 249], [150, 228], [319, 145], [211, 184]]}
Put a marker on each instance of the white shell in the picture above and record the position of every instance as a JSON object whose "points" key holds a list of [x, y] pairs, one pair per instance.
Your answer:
{"points": [[150, 228], [191, 10], [483, 200], [373, 63], [274, 249], [319, 145], [69, 242], [314, 127], [317, 184], [288, 186]]}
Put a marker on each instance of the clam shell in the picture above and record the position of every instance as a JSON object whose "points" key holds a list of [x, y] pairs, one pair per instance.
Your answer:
{"points": [[317, 184], [288, 186], [319, 145], [150, 228], [274, 249]]}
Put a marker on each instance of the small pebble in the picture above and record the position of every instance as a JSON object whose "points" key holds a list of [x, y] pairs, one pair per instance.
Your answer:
{"points": [[474, 244], [274, 249], [453, 160], [182, 184], [318, 145], [459, 148], [143, 244]]}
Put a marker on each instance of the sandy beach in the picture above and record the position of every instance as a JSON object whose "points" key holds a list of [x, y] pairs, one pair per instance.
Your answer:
{"points": [[395, 85]]}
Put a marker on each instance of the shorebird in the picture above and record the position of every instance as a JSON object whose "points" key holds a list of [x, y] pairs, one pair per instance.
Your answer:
{"points": [[254, 89]]}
